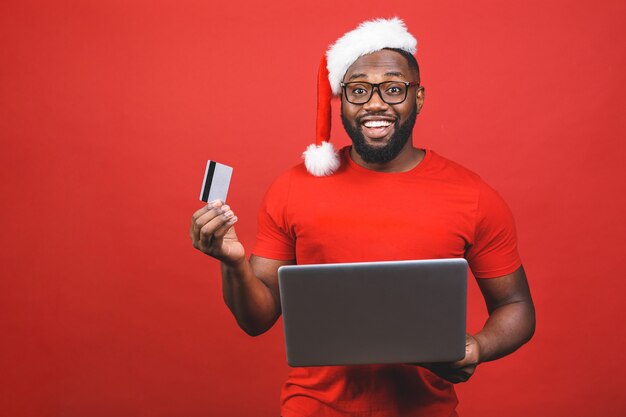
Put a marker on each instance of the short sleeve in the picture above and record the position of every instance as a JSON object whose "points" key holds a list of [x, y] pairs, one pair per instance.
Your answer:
{"points": [[274, 238], [493, 252]]}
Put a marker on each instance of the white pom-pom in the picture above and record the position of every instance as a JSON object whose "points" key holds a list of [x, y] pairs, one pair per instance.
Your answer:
{"points": [[321, 160]]}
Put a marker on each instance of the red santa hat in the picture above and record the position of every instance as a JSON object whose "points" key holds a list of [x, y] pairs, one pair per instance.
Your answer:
{"points": [[321, 158]]}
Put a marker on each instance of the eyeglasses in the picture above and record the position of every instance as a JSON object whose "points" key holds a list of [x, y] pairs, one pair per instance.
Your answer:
{"points": [[391, 92]]}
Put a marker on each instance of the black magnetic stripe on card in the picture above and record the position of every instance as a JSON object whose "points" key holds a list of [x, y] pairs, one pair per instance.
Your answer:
{"points": [[209, 180]]}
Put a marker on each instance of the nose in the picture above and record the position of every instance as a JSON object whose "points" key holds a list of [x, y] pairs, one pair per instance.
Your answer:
{"points": [[376, 101]]}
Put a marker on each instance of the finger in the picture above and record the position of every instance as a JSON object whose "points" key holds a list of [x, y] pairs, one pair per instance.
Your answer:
{"points": [[470, 359], [205, 217], [210, 205], [221, 232], [460, 377], [455, 378], [194, 218], [199, 213], [463, 374], [207, 231], [211, 214], [469, 370], [460, 364], [216, 204]]}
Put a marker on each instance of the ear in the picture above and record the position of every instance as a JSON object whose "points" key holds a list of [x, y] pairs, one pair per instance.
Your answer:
{"points": [[419, 98]]}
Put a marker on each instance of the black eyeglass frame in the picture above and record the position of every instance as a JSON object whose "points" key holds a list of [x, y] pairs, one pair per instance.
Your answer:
{"points": [[377, 87]]}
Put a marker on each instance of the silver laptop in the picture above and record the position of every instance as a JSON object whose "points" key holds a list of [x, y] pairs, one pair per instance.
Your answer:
{"points": [[374, 312]]}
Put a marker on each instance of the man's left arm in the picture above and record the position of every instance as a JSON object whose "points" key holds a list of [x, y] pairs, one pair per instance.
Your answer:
{"points": [[511, 323]]}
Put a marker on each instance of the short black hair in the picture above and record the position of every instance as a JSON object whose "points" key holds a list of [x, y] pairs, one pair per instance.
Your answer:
{"points": [[410, 59]]}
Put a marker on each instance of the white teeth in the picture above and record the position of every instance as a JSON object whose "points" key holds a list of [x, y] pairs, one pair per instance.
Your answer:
{"points": [[377, 123]]}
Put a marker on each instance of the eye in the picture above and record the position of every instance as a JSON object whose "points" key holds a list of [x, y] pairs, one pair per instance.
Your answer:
{"points": [[395, 90], [359, 91]]}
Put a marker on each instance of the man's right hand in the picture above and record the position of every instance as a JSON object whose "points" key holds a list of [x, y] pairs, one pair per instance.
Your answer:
{"points": [[212, 232]]}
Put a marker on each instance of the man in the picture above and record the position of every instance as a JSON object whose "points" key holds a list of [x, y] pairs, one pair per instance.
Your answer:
{"points": [[380, 199]]}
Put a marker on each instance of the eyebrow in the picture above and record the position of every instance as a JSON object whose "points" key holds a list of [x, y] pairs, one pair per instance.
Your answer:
{"points": [[359, 75], [387, 74], [394, 74]]}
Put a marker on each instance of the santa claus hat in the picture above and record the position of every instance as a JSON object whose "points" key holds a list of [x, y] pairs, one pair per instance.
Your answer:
{"points": [[321, 158]]}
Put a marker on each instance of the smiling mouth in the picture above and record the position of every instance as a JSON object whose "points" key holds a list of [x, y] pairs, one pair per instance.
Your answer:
{"points": [[377, 129], [376, 123]]}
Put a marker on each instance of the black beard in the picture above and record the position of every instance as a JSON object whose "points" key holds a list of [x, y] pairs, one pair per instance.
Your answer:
{"points": [[381, 155]]}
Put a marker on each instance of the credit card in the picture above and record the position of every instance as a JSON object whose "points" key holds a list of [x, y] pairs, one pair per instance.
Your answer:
{"points": [[216, 182]]}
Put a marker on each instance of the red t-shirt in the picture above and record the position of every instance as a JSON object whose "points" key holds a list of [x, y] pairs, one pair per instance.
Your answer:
{"points": [[437, 210]]}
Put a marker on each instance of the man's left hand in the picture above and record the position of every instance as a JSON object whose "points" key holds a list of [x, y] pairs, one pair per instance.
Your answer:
{"points": [[462, 370]]}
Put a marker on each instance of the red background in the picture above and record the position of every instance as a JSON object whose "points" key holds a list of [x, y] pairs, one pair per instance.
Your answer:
{"points": [[109, 111]]}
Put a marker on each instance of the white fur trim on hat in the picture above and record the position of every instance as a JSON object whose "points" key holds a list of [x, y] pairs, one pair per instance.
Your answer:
{"points": [[321, 160], [370, 36]]}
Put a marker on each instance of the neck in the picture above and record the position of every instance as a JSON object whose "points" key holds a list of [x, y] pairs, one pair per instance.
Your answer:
{"points": [[408, 158]]}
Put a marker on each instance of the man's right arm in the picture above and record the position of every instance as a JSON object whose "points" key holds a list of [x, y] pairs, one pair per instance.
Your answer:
{"points": [[250, 288]]}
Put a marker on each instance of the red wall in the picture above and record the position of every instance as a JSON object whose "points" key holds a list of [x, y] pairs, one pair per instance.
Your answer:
{"points": [[109, 111]]}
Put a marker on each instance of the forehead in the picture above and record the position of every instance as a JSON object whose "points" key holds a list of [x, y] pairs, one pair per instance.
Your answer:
{"points": [[378, 64]]}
